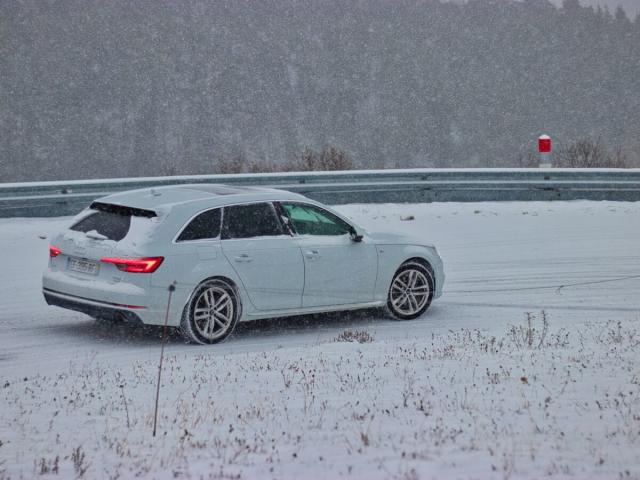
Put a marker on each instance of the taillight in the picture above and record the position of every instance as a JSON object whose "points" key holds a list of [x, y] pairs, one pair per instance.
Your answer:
{"points": [[54, 251], [135, 265]]}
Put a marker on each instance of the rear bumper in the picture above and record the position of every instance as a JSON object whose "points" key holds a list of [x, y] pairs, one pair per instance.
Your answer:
{"points": [[93, 308], [146, 304], [106, 299]]}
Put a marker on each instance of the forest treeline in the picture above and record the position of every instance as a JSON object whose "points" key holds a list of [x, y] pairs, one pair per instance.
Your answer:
{"points": [[94, 88]]}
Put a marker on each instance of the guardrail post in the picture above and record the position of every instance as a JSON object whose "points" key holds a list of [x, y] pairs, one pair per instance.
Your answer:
{"points": [[544, 148]]}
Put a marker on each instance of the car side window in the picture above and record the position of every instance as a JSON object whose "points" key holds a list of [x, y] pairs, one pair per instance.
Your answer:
{"points": [[252, 220], [204, 226], [312, 220]]}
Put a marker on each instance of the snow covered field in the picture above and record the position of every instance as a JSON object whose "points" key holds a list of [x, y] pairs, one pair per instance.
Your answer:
{"points": [[470, 390]]}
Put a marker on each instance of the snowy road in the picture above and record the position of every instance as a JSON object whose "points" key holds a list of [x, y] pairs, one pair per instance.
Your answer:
{"points": [[501, 260]]}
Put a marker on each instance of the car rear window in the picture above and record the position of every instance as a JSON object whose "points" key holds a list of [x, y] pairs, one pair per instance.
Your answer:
{"points": [[114, 226], [205, 226]]}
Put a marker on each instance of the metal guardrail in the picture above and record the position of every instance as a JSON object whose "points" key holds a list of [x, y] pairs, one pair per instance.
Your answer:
{"points": [[49, 199]]}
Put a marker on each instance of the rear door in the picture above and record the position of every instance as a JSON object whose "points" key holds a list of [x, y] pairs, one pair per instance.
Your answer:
{"points": [[266, 259], [338, 270]]}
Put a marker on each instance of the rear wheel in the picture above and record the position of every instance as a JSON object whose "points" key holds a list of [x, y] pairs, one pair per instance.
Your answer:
{"points": [[411, 291], [211, 314]]}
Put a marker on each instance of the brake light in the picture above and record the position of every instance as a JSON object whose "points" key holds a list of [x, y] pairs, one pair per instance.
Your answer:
{"points": [[54, 251], [135, 265]]}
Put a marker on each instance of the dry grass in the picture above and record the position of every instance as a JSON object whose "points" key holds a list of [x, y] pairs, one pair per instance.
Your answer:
{"points": [[359, 336], [533, 401]]}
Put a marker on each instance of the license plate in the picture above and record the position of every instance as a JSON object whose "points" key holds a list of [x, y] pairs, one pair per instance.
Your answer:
{"points": [[83, 266]]}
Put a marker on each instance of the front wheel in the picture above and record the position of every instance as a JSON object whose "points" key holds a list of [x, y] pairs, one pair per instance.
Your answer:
{"points": [[411, 291], [211, 314]]}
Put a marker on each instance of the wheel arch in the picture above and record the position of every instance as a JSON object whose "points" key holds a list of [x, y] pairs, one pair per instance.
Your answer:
{"points": [[392, 257], [422, 261]]}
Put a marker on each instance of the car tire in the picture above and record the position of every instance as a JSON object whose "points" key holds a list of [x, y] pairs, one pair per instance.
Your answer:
{"points": [[411, 291], [211, 314]]}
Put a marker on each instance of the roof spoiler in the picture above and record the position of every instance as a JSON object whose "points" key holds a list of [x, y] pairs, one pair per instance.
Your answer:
{"points": [[122, 210]]}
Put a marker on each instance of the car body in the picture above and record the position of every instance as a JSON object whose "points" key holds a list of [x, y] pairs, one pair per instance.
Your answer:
{"points": [[275, 253]]}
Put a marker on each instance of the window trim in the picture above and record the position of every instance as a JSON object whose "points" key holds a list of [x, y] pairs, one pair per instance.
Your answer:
{"points": [[281, 212], [191, 219], [277, 205], [307, 204]]}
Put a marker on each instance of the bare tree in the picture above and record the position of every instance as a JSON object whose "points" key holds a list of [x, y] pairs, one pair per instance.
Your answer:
{"points": [[330, 158], [587, 153], [233, 164]]}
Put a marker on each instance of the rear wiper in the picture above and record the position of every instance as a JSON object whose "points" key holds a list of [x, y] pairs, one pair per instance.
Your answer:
{"points": [[95, 235]]}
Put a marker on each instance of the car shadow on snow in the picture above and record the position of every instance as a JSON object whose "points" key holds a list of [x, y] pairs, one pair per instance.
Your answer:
{"points": [[324, 324], [305, 324]]}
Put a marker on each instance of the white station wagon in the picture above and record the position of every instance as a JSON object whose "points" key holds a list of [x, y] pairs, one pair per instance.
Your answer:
{"points": [[233, 254]]}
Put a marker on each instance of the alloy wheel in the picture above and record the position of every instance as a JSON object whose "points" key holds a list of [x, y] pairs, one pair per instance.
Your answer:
{"points": [[213, 313], [411, 291]]}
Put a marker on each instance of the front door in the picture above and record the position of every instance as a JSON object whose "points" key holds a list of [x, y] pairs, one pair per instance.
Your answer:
{"points": [[338, 271]]}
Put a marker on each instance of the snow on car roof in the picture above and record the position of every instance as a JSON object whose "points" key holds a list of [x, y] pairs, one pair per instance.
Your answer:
{"points": [[211, 194], [219, 189]]}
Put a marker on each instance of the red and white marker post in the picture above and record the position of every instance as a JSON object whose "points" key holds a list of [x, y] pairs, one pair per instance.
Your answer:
{"points": [[544, 148]]}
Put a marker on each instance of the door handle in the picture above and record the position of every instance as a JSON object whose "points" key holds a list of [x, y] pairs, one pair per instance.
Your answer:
{"points": [[312, 254], [243, 258]]}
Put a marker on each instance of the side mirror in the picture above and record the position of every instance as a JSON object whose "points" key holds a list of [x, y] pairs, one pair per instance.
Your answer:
{"points": [[354, 235]]}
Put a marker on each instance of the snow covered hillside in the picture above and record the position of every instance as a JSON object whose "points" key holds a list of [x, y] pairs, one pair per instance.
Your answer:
{"points": [[527, 367]]}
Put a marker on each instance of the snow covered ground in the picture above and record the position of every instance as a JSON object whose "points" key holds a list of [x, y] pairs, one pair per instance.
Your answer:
{"points": [[469, 390]]}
